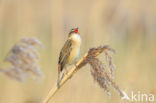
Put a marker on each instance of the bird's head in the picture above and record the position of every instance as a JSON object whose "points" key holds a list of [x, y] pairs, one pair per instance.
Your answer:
{"points": [[74, 31]]}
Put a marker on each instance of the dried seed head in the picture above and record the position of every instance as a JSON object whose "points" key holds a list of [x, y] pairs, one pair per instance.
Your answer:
{"points": [[96, 51], [93, 52], [32, 41], [110, 64], [99, 74], [98, 69], [24, 59]]}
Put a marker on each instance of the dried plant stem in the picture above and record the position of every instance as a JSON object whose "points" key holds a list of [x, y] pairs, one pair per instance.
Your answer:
{"points": [[66, 77]]}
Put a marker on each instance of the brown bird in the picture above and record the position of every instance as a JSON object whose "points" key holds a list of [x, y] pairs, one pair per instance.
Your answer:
{"points": [[69, 53]]}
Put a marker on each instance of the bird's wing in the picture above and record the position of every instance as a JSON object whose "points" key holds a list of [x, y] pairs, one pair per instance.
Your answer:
{"points": [[64, 54]]}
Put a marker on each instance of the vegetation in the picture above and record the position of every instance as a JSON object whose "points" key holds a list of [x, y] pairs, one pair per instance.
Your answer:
{"points": [[127, 26]]}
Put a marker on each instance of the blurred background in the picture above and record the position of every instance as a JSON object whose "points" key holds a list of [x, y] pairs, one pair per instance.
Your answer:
{"points": [[126, 25]]}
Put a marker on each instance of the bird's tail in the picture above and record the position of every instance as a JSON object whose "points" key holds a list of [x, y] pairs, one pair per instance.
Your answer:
{"points": [[60, 75]]}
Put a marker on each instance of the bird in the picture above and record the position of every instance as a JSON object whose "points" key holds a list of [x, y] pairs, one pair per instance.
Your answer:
{"points": [[69, 52]]}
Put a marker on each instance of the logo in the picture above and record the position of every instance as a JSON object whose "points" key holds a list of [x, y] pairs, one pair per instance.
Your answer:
{"points": [[141, 97]]}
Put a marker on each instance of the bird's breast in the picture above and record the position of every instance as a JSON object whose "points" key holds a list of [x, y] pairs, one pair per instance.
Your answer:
{"points": [[76, 39], [75, 51], [74, 54]]}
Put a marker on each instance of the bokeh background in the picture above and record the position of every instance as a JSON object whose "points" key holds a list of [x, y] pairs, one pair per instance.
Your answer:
{"points": [[126, 25]]}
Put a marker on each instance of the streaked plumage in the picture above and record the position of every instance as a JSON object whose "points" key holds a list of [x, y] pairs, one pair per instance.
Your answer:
{"points": [[70, 51]]}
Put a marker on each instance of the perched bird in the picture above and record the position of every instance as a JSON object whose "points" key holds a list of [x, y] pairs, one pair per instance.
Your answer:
{"points": [[69, 52]]}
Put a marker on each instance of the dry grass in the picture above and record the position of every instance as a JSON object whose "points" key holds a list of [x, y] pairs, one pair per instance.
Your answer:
{"points": [[24, 59], [126, 25]]}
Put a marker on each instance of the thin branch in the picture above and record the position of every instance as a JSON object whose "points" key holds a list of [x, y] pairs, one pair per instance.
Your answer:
{"points": [[66, 77]]}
